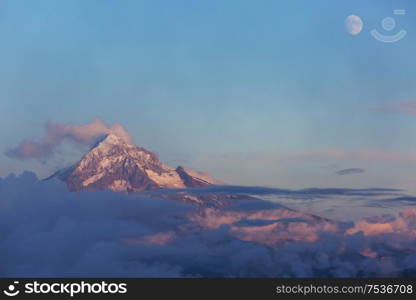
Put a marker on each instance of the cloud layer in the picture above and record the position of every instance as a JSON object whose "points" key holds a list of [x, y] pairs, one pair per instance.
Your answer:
{"points": [[47, 231], [57, 133]]}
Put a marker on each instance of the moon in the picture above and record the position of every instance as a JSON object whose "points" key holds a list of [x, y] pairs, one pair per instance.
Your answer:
{"points": [[354, 24]]}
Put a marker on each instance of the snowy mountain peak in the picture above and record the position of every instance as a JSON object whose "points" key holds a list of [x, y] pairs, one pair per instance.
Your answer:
{"points": [[116, 165], [112, 139]]}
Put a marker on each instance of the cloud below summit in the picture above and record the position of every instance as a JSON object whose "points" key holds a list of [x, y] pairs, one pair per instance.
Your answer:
{"points": [[57, 133], [47, 231]]}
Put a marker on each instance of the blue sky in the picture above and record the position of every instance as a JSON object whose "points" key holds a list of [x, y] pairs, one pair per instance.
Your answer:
{"points": [[270, 93]]}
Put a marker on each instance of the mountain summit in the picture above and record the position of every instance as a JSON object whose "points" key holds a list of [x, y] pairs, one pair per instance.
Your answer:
{"points": [[117, 165]]}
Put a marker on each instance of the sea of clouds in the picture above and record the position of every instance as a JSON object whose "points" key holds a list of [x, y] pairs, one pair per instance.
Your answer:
{"points": [[47, 231]]}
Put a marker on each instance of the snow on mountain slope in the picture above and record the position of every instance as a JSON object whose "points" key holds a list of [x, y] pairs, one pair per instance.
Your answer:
{"points": [[117, 165]]}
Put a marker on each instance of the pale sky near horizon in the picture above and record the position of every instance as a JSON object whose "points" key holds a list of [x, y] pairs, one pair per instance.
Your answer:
{"points": [[272, 93]]}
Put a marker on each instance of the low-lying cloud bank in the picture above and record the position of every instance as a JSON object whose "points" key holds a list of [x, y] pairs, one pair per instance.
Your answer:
{"points": [[47, 231], [311, 193]]}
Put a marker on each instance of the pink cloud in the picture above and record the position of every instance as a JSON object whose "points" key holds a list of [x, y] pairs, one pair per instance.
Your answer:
{"points": [[407, 107], [339, 154], [366, 155], [369, 253], [57, 133], [404, 224], [159, 239], [282, 227]]}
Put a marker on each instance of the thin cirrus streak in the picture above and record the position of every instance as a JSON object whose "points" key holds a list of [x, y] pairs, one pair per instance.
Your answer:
{"points": [[407, 107], [326, 154]]}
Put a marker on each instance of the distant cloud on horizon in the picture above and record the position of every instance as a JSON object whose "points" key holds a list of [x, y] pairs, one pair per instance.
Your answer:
{"points": [[350, 171]]}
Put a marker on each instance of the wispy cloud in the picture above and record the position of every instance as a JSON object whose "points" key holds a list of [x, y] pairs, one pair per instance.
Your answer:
{"points": [[334, 154], [359, 155], [350, 171], [407, 107], [57, 133]]}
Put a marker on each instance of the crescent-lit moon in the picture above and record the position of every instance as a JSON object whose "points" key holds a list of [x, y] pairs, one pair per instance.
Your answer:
{"points": [[354, 24]]}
